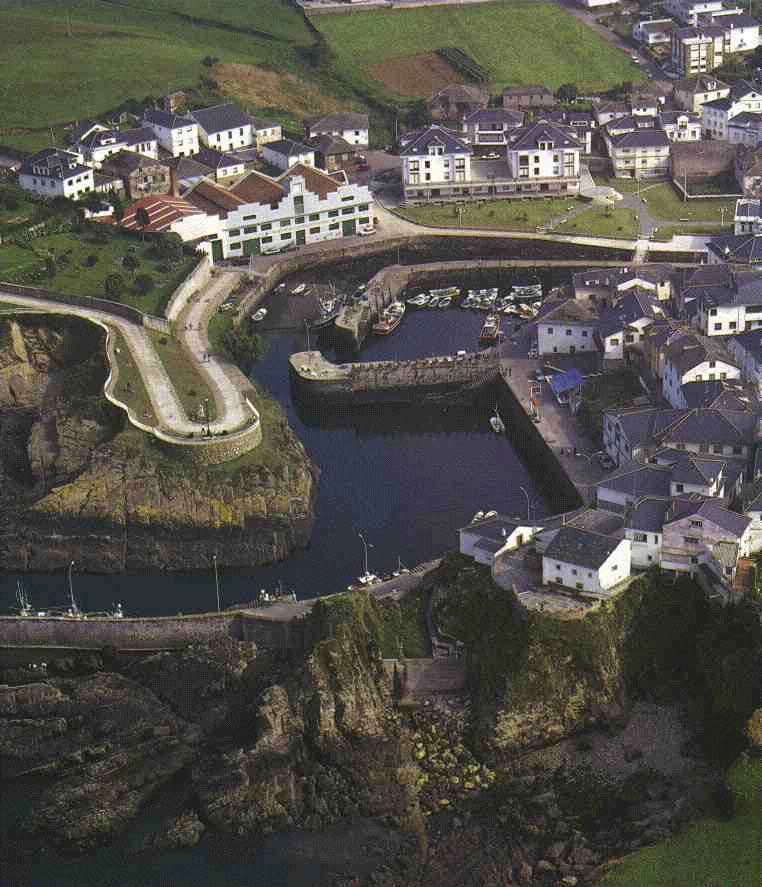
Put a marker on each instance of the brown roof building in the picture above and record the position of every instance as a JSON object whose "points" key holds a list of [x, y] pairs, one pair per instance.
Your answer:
{"points": [[534, 96], [457, 101], [141, 176]]}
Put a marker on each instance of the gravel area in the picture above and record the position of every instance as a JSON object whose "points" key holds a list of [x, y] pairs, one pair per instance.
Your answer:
{"points": [[658, 731]]}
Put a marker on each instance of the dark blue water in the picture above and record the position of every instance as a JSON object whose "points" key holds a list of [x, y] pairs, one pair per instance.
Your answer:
{"points": [[406, 478]]}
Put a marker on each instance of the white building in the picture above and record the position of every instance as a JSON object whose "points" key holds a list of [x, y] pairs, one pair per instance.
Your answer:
{"points": [[544, 151], [743, 97], [265, 131], [287, 153], [693, 360], [681, 126], [746, 350], [54, 172], [585, 561], [693, 93], [223, 127], [175, 134], [99, 144], [488, 127], [688, 11], [643, 528], [697, 50], [353, 128], [654, 31], [565, 327], [259, 213], [487, 538]]}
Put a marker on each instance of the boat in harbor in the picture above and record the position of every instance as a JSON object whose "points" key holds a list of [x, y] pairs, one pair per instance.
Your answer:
{"points": [[496, 421], [390, 319], [299, 290], [329, 311], [445, 301], [452, 291], [491, 330], [259, 315], [419, 301]]}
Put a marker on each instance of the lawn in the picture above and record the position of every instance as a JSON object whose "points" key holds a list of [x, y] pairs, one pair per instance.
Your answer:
{"points": [[190, 385], [710, 853], [665, 202], [74, 277], [129, 387], [509, 215], [515, 42], [667, 232], [114, 52], [600, 221]]}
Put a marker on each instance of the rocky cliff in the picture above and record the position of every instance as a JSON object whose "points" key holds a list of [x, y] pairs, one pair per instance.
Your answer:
{"points": [[77, 483]]}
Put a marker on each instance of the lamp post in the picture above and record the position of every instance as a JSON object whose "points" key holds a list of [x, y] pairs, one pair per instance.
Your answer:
{"points": [[71, 590], [526, 496], [365, 552], [216, 580]]}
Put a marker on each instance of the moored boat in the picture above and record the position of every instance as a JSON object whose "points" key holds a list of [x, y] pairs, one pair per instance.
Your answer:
{"points": [[496, 421], [491, 330], [390, 319], [259, 315]]}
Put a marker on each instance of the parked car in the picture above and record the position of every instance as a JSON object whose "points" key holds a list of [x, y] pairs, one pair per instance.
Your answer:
{"points": [[271, 250], [365, 230], [605, 461]]}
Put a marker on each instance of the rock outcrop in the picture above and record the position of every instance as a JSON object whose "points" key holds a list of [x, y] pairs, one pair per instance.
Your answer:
{"points": [[77, 483]]}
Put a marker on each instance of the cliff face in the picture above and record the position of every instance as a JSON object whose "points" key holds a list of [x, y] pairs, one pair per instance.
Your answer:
{"points": [[77, 483]]}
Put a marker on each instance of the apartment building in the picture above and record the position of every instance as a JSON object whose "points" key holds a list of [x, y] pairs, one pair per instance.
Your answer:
{"points": [[175, 134]]}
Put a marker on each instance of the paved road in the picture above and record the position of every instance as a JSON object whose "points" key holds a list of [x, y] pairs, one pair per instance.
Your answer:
{"points": [[171, 417]]}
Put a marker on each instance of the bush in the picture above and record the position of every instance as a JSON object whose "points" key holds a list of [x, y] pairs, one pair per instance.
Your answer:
{"points": [[241, 346], [130, 263], [167, 247], [91, 261], [144, 283], [114, 286], [209, 61]]}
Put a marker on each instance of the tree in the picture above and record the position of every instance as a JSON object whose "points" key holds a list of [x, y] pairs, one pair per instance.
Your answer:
{"points": [[130, 263], [91, 261], [209, 61], [168, 247], [144, 283], [118, 203], [567, 92], [241, 346], [114, 285], [143, 220]]}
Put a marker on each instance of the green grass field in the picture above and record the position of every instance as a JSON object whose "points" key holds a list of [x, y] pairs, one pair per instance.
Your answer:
{"points": [[77, 279], [600, 221], [665, 202], [190, 385], [710, 853], [516, 42], [118, 51]]}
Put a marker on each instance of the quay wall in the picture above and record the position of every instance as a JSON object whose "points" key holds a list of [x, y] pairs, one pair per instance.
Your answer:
{"points": [[150, 633], [526, 438]]}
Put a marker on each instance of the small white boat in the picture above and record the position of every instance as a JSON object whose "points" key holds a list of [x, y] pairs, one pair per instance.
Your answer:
{"points": [[299, 290], [445, 301], [496, 421], [446, 291], [259, 315], [434, 302]]}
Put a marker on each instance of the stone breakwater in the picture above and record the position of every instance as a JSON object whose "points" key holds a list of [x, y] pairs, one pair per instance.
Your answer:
{"points": [[406, 381]]}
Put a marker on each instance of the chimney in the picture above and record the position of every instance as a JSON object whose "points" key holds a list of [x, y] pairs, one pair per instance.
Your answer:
{"points": [[174, 185]]}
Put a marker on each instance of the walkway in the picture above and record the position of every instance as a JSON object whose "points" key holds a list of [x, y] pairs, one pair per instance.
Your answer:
{"points": [[233, 413]]}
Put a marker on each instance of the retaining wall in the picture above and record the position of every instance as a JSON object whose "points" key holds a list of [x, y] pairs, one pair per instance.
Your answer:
{"points": [[421, 677], [198, 278]]}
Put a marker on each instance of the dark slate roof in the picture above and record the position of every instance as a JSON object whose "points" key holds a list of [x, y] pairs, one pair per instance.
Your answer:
{"points": [[221, 117], [695, 85], [701, 31], [672, 117], [706, 426], [434, 135], [166, 119], [341, 120], [741, 248], [495, 115], [497, 528], [640, 425], [742, 88], [215, 159], [719, 104], [709, 509], [187, 168], [138, 134], [751, 497], [691, 350], [632, 123], [56, 163], [641, 138], [745, 120], [566, 310], [329, 145], [702, 394], [709, 275], [751, 342], [634, 305], [569, 118], [287, 147], [698, 471], [82, 129], [658, 26], [639, 480], [647, 515], [102, 137], [261, 123], [581, 547], [527, 137], [125, 162]]}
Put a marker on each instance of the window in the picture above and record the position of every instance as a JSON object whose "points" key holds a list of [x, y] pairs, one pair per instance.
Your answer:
{"points": [[299, 221], [298, 205], [315, 230], [250, 230], [236, 245], [285, 236], [266, 226], [640, 537], [703, 448], [615, 566], [363, 207], [691, 540], [574, 572], [549, 330], [584, 334], [333, 213], [697, 523], [267, 240], [717, 327], [558, 566], [347, 211], [284, 223], [568, 332], [345, 199], [334, 226], [614, 343], [234, 232], [716, 448], [679, 488]]}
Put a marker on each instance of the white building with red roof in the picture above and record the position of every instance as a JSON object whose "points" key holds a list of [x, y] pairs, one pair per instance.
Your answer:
{"points": [[171, 214]]}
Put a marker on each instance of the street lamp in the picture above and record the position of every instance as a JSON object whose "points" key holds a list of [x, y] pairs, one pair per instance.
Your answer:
{"points": [[216, 580], [71, 590]]}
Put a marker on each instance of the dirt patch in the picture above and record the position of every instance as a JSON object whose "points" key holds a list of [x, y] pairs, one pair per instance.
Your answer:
{"points": [[415, 75], [265, 89]]}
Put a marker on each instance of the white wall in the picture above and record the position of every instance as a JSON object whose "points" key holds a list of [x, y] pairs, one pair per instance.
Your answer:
{"points": [[228, 139], [644, 553], [703, 372], [282, 162], [544, 164], [560, 337], [180, 142], [48, 186], [432, 168], [614, 570]]}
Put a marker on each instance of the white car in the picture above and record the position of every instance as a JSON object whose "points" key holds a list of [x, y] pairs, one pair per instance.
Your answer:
{"points": [[271, 250], [365, 230]]}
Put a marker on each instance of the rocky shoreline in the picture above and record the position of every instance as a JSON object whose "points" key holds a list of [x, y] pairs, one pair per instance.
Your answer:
{"points": [[77, 484]]}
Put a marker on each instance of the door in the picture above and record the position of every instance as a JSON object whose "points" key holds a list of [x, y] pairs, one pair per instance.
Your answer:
{"points": [[301, 238], [348, 228], [216, 250], [572, 349], [251, 247]]}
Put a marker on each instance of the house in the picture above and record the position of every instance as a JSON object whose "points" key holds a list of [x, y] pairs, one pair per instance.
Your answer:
{"points": [[748, 216], [723, 311], [456, 101], [752, 508], [287, 153], [54, 172], [688, 11], [304, 205], [736, 249], [621, 326], [100, 144], [620, 490], [605, 112], [746, 350], [175, 134], [693, 92], [741, 29], [565, 327], [654, 31], [697, 50], [715, 432], [643, 528], [332, 153], [725, 394], [694, 359], [487, 127], [744, 96], [748, 171], [605, 285], [223, 127], [351, 127], [221, 166], [681, 126], [170, 214], [434, 160], [630, 434], [187, 172], [81, 130], [265, 131], [641, 152], [745, 129], [694, 527], [487, 537], [140, 176], [544, 159], [585, 561], [535, 96], [582, 124]]}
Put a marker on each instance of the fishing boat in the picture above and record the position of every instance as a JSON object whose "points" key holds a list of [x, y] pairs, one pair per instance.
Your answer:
{"points": [[445, 301], [451, 291], [366, 579], [496, 421], [491, 330], [299, 290], [468, 302], [259, 315], [389, 320], [329, 311], [510, 309]]}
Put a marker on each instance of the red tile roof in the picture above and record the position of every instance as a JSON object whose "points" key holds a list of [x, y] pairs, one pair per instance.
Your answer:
{"points": [[315, 180], [162, 211]]}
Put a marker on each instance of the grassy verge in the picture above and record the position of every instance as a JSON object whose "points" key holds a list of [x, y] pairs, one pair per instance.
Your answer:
{"points": [[667, 232], [664, 202], [709, 852], [190, 385], [509, 215], [219, 323], [73, 254], [404, 632], [130, 388], [600, 221], [538, 43]]}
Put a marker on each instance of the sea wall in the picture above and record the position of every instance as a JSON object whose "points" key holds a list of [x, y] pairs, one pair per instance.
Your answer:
{"points": [[196, 280]]}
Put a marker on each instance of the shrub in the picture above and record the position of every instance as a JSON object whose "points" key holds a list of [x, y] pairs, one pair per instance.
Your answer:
{"points": [[130, 263], [91, 260], [209, 61], [144, 283], [114, 285]]}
